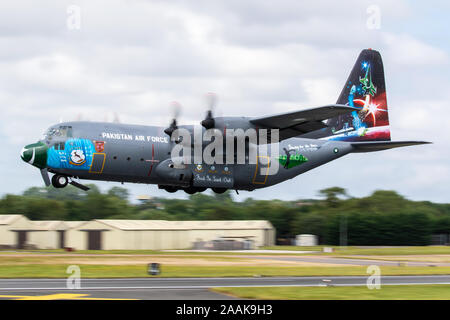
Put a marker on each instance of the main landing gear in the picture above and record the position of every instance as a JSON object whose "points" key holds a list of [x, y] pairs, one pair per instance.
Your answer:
{"points": [[190, 190], [219, 190]]}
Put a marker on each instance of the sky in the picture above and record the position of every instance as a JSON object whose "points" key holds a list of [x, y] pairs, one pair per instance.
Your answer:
{"points": [[67, 60]]}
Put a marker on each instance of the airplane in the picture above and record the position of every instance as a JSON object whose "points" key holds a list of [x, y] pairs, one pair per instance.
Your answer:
{"points": [[307, 139]]}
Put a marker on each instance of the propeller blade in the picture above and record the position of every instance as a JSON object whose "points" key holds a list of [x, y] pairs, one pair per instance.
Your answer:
{"points": [[116, 118], [45, 177], [211, 99], [176, 110]]}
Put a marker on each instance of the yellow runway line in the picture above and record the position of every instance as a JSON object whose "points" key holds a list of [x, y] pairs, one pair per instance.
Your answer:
{"points": [[58, 296]]}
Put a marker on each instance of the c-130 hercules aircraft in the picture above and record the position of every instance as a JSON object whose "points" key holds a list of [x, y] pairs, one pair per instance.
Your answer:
{"points": [[358, 122]]}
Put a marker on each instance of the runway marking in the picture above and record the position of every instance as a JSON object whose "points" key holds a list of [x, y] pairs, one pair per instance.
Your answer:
{"points": [[8, 296], [59, 296]]}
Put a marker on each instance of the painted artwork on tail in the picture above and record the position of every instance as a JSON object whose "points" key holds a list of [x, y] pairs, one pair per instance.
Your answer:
{"points": [[365, 89]]}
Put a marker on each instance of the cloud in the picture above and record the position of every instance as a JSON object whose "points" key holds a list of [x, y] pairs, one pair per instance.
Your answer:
{"points": [[408, 51]]}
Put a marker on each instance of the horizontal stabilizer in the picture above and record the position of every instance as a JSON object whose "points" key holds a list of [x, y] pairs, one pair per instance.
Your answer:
{"points": [[383, 145]]}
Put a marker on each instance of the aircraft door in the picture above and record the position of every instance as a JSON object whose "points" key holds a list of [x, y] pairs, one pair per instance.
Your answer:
{"points": [[261, 170]]}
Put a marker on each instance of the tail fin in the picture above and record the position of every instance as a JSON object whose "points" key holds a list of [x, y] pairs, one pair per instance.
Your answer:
{"points": [[365, 89]]}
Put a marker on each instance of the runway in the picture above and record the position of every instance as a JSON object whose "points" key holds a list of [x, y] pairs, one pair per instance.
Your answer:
{"points": [[355, 262], [181, 288]]}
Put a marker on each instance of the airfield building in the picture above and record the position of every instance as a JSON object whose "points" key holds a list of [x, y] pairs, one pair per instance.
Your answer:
{"points": [[128, 235], [47, 234], [16, 231]]}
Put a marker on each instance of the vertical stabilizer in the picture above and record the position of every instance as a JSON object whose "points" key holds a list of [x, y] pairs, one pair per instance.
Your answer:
{"points": [[365, 89]]}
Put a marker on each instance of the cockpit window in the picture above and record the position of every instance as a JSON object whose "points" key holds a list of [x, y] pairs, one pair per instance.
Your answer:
{"points": [[65, 131], [59, 132]]}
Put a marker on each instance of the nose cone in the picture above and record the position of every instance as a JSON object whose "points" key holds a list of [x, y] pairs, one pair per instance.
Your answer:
{"points": [[35, 154]]}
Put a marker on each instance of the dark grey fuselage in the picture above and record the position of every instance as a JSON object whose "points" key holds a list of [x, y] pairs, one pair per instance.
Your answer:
{"points": [[142, 154]]}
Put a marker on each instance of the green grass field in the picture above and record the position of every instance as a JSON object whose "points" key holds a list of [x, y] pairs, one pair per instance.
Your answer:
{"points": [[140, 270], [370, 251], [406, 292], [132, 263]]}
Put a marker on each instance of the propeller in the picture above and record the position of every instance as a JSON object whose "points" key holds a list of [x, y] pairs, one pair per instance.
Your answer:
{"points": [[116, 118], [176, 110], [211, 100]]}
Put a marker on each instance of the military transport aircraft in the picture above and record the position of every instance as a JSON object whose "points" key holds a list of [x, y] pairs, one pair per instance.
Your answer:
{"points": [[308, 138]]}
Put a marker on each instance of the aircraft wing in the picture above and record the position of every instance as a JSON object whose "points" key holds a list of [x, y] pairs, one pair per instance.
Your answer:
{"points": [[296, 123]]}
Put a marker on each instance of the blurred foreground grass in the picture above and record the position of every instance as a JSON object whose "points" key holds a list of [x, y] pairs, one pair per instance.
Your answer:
{"points": [[388, 292], [370, 250], [140, 270]]}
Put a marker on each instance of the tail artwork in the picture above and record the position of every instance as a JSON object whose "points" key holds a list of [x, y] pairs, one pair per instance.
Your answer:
{"points": [[365, 89]]}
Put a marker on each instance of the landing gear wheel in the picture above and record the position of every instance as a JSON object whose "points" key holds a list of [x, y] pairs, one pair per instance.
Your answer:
{"points": [[193, 190], [190, 190], [171, 189], [219, 190], [59, 181]]}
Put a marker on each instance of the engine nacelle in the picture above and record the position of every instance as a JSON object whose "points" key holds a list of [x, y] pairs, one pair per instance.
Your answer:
{"points": [[174, 174]]}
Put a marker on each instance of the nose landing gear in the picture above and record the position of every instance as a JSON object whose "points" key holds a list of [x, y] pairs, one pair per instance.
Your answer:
{"points": [[59, 181]]}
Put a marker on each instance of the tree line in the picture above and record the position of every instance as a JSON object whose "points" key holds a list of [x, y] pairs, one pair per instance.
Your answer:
{"points": [[383, 218]]}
